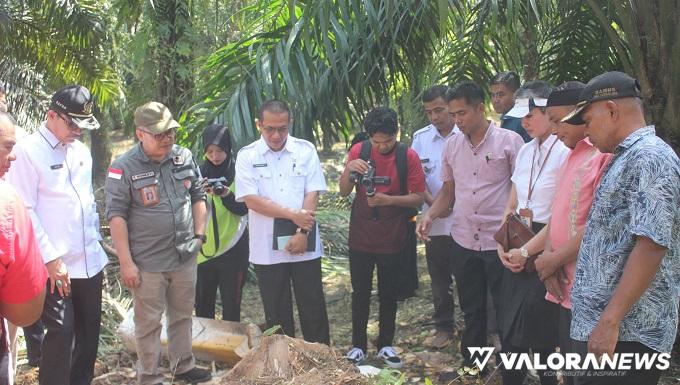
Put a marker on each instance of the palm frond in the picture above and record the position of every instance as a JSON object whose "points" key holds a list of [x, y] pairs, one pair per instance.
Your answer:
{"points": [[332, 60]]}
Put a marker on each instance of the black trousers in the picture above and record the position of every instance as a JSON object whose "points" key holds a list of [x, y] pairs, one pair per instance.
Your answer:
{"points": [[69, 348], [5, 363], [631, 377], [516, 377], [361, 265], [408, 262], [565, 342], [442, 265], [275, 282], [34, 336], [228, 273], [478, 270]]}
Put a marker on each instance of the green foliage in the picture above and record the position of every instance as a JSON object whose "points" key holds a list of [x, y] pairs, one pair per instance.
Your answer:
{"points": [[49, 43], [272, 330], [534, 39], [331, 60], [390, 377], [333, 218]]}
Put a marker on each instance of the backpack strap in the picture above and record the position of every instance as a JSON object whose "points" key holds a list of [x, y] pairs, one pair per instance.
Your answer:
{"points": [[402, 169], [365, 153]]}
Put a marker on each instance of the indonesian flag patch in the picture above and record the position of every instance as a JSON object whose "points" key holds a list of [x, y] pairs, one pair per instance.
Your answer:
{"points": [[115, 173]]}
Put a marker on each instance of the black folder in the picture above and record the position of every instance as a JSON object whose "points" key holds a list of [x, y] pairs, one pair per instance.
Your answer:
{"points": [[285, 227]]}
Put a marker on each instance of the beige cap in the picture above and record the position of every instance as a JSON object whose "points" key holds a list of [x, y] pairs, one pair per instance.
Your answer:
{"points": [[154, 117]]}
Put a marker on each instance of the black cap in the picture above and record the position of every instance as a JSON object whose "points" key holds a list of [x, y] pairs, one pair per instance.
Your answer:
{"points": [[76, 102], [607, 86], [566, 97]]}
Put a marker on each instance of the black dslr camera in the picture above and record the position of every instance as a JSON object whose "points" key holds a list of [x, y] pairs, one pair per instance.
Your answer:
{"points": [[369, 180], [218, 185]]}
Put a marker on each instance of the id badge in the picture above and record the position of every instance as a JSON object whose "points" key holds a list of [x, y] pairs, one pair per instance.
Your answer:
{"points": [[149, 195], [527, 216]]}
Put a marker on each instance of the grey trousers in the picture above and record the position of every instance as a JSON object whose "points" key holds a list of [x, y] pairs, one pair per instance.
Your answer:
{"points": [[172, 292]]}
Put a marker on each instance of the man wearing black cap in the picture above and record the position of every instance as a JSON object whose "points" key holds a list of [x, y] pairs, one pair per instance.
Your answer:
{"points": [[573, 196], [53, 176], [625, 294]]}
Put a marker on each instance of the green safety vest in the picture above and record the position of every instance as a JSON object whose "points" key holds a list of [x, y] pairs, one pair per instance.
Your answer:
{"points": [[224, 229]]}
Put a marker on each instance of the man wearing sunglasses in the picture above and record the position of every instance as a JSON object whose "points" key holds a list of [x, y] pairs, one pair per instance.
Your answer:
{"points": [[53, 176], [157, 212]]}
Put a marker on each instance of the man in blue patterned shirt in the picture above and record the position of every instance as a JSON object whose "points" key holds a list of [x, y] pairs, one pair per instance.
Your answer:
{"points": [[625, 296]]}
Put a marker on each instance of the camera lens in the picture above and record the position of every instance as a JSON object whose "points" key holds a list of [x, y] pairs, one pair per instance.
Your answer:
{"points": [[218, 188]]}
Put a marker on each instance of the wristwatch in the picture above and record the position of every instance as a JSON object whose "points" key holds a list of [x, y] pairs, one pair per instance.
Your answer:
{"points": [[524, 252], [301, 230], [202, 237]]}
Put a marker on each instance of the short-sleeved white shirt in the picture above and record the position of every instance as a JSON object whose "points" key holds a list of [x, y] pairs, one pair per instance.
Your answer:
{"points": [[284, 177], [546, 183], [429, 144]]}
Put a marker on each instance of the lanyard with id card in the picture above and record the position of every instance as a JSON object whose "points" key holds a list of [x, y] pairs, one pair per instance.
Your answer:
{"points": [[526, 214]]}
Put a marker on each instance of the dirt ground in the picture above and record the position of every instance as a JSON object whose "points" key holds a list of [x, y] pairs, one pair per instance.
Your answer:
{"points": [[413, 326]]}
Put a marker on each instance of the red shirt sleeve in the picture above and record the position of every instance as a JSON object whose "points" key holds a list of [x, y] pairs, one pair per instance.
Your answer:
{"points": [[22, 274], [353, 152], [416, 176]]}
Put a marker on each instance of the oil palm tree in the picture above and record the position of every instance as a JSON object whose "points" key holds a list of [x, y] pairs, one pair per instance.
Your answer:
{"points": [[331, 59], [48, 43]]}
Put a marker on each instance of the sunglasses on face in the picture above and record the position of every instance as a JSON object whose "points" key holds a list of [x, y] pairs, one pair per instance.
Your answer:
{"points": [[70, 123], [170, 134]]}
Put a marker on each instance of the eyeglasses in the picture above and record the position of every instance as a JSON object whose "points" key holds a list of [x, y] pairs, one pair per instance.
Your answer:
{"points": [[170, 134], [70, 123], [271, 130]]}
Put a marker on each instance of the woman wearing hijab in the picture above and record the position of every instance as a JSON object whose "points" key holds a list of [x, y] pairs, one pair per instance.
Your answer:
{"points": [[223, 260]]}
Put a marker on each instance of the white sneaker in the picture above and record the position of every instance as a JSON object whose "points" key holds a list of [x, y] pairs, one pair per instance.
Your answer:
{"points": [[356, 356], [390, 358]]}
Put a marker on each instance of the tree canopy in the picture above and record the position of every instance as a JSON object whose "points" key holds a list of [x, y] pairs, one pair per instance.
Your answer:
{"points": [[331, 59]]}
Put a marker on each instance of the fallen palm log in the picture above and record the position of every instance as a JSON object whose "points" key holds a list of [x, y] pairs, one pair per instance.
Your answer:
{"points": [[212, 340]]}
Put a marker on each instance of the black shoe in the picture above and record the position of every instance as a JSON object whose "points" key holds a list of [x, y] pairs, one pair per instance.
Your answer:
{"points": [[194, 376], [34, 364]]}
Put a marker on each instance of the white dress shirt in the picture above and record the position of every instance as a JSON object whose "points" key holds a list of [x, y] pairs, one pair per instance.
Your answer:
{"points": [[55, 182], [284, 177], [429, 144], [544, 185]]}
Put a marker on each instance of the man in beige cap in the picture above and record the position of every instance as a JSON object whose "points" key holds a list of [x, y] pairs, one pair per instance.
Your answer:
{"points": [[157, 212]]}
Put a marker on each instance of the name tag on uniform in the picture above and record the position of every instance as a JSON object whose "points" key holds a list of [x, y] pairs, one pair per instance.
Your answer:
{"points": [[56, 166], [260, 165], [143, 175]]}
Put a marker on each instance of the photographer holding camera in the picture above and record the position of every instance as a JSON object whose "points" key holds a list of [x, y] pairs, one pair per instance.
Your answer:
{"points": [[377, 231], [223, 259]]}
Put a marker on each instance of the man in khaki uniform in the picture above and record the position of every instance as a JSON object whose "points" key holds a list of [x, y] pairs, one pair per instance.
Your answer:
{"points": [[157, 212]]}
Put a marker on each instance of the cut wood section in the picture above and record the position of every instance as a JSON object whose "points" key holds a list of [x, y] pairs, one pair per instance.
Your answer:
{"points": [[212, 340], [282, 360]]}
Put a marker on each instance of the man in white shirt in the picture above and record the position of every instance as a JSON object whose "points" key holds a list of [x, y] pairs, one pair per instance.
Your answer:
{"points": [[53, 176], [279, 176], [428, 142]]}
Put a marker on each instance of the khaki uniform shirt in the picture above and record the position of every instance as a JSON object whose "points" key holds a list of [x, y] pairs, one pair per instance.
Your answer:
{"points": [[156, 200]]}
